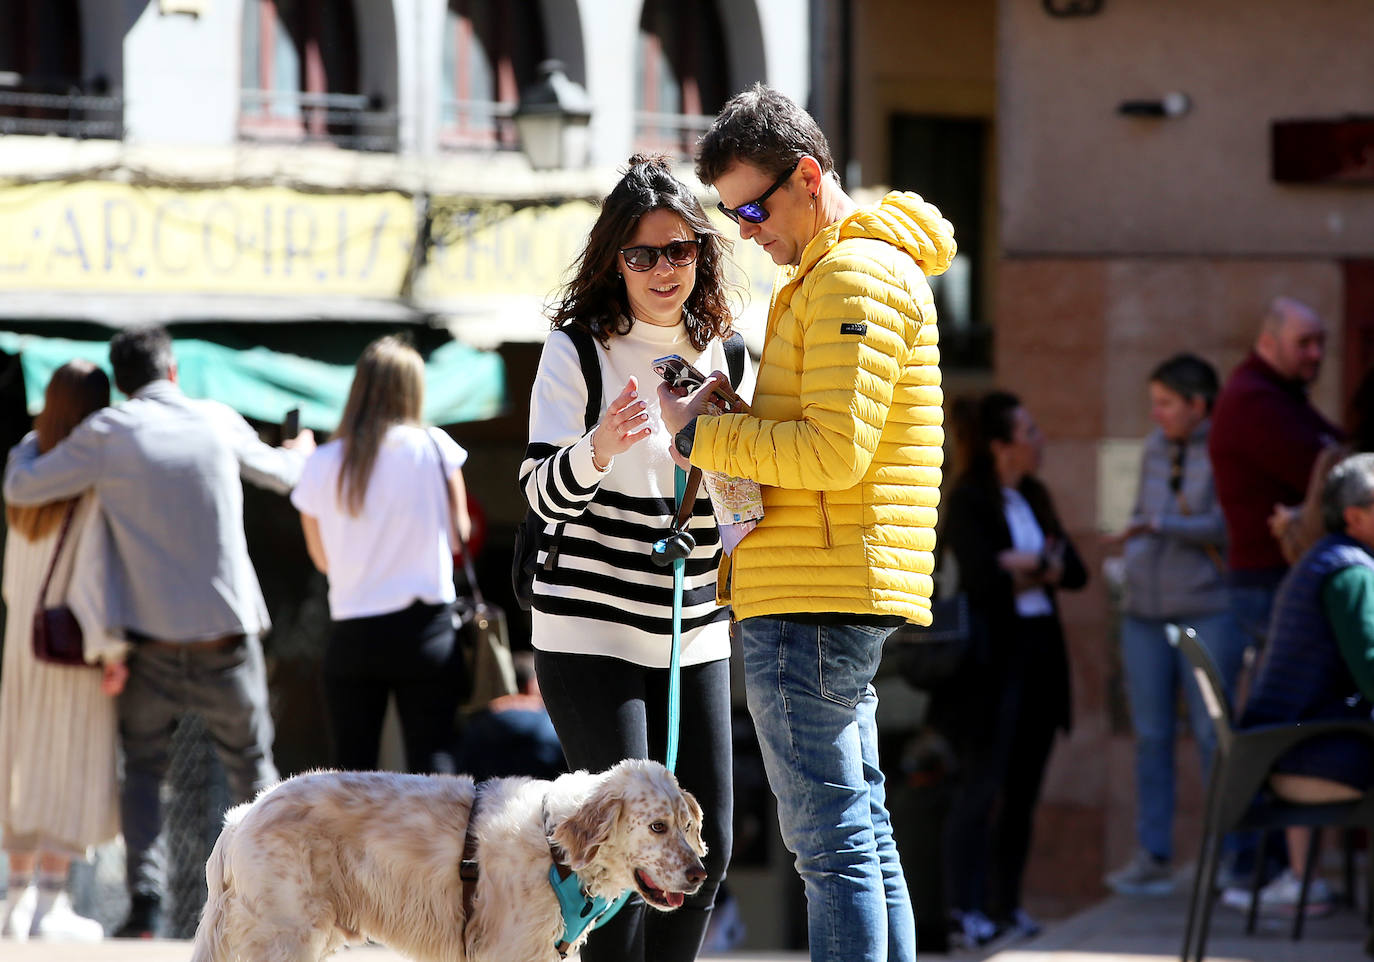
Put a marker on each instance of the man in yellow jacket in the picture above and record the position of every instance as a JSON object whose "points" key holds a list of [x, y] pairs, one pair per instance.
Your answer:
{"points": [[845, 437]]}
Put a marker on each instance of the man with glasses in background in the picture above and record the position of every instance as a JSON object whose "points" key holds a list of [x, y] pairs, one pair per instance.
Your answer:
{"points": [[845, 437]]}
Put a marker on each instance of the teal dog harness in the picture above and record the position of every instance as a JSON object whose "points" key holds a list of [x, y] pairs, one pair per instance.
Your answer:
{"points": [[580, 910]]}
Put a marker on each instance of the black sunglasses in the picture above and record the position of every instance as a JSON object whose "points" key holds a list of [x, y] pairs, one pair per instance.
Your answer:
{"points": [[643, 257], [754, 211]]}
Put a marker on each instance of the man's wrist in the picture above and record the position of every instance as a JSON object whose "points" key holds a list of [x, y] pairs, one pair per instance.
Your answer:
{"points": [[684, 439]]}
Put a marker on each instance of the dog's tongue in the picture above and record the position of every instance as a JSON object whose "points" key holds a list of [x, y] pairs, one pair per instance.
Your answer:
{"points": [[674, 899]]}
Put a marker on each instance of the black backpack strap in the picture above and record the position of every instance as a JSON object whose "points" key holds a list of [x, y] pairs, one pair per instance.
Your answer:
{"points": [[734, 358], [591, 370], [591, 373]]}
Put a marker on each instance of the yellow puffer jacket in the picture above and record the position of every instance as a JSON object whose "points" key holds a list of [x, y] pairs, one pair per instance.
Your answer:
{"points": [[845, 430]]}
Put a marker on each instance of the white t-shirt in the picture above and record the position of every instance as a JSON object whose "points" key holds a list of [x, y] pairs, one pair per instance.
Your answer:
{"points": [[396, 550], [1027, 536]]}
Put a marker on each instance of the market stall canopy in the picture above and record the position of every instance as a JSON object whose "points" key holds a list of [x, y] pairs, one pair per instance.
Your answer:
{"points": [[461, 382]]}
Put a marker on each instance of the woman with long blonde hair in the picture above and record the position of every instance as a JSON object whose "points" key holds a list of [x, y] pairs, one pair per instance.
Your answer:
{"points": [[58, 788], [381, 505]]}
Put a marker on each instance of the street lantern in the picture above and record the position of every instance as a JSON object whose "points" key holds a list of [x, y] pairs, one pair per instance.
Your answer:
{"points": [[552, 119]]}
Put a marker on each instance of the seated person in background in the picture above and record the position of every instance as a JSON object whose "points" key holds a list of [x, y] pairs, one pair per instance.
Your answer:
{"points": [[1319, 665], [513, 734]]}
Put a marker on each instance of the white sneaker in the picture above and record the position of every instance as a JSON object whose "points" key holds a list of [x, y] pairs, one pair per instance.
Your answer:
{"points": [[976, 927], [19, 918], [1142, 875], [1280, 897], [61, 924]]}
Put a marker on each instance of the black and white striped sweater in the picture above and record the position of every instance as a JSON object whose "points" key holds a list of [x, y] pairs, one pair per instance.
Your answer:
{"points": [[604, 595]]}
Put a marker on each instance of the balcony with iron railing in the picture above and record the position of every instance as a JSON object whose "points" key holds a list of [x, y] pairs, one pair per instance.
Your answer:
{"points": [[477, 125], [673, 134], [43, 106], [351, 121]]}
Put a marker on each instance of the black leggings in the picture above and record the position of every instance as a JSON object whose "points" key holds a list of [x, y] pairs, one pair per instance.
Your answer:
{"points": [[412, 653], [605, 710]]}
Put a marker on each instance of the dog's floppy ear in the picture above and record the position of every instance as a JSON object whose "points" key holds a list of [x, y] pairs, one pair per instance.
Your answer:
{"points": [[588, 828], [693, 823]]}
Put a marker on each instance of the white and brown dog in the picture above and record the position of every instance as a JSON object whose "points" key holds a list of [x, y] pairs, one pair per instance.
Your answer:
{"points": [[333, 857]]}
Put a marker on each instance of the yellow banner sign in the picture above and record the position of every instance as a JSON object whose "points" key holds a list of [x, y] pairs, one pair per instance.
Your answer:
{"points": [[97, 236]]}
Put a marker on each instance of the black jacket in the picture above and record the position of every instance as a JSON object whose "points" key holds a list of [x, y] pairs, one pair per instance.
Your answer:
{"points": [[975, 531]]}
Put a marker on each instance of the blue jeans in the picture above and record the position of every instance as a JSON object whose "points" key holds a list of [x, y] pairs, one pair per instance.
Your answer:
{"points": [[1252, 606], [1154, 674], [815, 711]]}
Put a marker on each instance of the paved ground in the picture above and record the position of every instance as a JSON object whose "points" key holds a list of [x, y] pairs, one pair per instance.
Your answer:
{"points": [[1116, 930]]}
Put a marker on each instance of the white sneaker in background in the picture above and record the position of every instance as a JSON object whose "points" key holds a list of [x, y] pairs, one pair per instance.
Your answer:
{"points": [[1280, 897], [61, 924], [1142, 875], [19, 917], [976, 927]]}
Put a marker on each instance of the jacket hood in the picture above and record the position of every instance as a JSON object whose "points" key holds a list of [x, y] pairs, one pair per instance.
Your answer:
{"points": [[904, 220]]}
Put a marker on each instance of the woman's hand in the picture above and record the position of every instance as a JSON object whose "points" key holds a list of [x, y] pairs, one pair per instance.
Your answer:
{"points": [[114, 675], [624, 425]]}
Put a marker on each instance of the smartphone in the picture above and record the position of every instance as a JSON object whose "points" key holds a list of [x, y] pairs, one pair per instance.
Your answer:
{"points": [[291, 424], [674, 369]]}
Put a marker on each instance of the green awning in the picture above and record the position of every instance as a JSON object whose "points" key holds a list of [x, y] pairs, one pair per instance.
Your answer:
{"points": [[461, 382]]}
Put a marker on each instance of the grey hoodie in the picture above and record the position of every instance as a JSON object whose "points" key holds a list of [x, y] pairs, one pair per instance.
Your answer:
{"points": [[1170, 573]]}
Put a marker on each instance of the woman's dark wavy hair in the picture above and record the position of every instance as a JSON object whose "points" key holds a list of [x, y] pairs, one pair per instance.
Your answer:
{"points": [[595, 298], [979, 422]]}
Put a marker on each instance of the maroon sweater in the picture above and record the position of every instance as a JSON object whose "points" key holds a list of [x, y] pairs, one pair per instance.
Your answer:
{"points": [[1265, 437]]}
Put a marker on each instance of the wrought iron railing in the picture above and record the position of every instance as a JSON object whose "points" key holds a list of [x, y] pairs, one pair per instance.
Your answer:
{"points": [[477, 125], [40, 109], [674, 134], [353, 121]]}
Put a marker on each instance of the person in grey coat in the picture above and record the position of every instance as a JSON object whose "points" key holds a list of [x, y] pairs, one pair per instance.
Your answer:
{"points": [[1174, 572], [180, 587]]}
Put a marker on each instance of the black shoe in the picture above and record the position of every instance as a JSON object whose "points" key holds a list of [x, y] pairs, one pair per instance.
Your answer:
{"points": [[145, 917]]}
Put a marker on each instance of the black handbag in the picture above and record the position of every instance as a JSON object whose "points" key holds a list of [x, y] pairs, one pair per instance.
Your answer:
{"points": [[57, 637], [927, 658]]}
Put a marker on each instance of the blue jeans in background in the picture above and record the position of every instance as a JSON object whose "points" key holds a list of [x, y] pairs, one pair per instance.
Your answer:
{"points": [[1251, 598], [814, 710], [1155, 673]]}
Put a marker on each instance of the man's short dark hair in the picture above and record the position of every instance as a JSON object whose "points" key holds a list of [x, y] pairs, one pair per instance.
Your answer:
{"points": [[1188, 376], [139, 356], [763, 128], [1349, 484]]}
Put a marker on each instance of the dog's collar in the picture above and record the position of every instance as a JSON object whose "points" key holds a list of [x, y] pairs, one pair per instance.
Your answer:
{"points": [[580, 910]]}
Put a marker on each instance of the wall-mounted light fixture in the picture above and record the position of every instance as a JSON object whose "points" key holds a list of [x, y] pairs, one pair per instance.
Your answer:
{"points": [[1174, 104], [552, 119], [1072, 8]]}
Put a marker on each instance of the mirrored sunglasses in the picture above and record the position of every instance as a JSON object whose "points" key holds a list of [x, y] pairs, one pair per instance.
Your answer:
{"points": [[642, 257], [754, 211]]}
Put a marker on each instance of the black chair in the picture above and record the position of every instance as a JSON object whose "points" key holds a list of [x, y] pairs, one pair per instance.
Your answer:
{"points": [[1237, 798]]}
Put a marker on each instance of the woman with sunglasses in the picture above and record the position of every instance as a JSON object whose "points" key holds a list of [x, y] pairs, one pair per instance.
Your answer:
{"points": [[648, 283]]}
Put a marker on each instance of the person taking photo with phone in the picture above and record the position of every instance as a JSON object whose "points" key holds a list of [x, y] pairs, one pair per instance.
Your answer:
{"points": [[649, 283]]}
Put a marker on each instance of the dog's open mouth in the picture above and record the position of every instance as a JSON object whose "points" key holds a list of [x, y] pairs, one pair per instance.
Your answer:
{"points": [[655, 895]]}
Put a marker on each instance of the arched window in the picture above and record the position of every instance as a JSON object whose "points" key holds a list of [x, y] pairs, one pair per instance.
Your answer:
{"points": [[300, 75], [492, 49], [680, 72], [41, 87]]}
